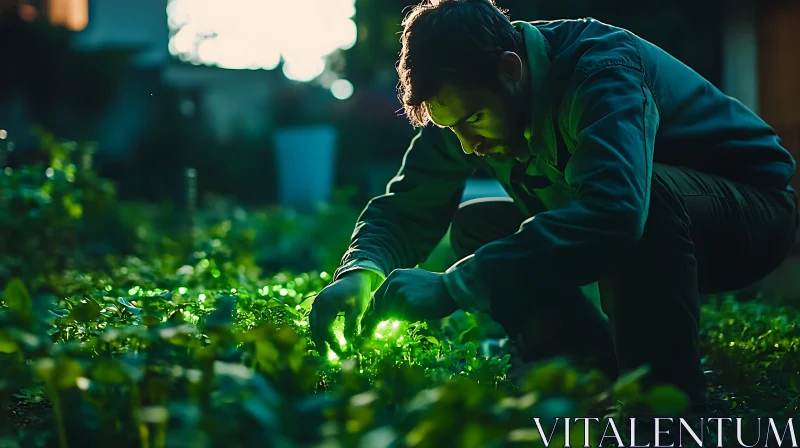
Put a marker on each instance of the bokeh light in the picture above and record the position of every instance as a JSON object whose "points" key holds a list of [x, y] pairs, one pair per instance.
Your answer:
{"points": [[259, 34], [342, 89]]}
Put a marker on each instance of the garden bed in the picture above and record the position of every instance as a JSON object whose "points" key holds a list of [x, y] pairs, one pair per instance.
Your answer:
{"points": [[141, 326]]}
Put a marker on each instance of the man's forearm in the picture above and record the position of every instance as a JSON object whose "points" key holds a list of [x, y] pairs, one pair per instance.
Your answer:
{"points": [[365, 267], [400, 228]]}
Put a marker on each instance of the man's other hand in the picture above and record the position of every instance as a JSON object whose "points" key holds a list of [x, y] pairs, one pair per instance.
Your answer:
{"points": [[349, 294], [410, 295]]}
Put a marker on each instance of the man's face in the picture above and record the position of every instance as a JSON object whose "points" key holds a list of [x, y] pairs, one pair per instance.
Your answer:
{"points": [[488, 122]]}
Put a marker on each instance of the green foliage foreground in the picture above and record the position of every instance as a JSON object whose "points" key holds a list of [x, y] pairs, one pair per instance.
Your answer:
{"points": [[153, 333]]}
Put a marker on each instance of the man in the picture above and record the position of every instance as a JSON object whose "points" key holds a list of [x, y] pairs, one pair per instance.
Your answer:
{"points": [[624, 167]]}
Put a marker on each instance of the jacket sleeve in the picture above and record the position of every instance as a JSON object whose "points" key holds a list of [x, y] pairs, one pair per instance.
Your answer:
{"points": [[611, 118], [400, 228]]}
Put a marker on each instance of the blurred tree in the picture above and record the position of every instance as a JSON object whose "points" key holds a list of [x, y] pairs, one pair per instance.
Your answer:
{"points": [[374, 55]]}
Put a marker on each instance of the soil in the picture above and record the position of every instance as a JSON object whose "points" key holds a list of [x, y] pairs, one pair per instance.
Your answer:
{"points": [[24, 415]]}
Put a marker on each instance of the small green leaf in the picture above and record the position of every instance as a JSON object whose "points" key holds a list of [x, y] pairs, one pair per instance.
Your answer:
{"points": [[60, 313], [551, 377], [32, 395], [129, 306], [150, 321], [7, 343], [223, 314], [74, 209], [108, 371], [87, 310], [667, 400], [627, 387], [18, 299], [62, 373]]}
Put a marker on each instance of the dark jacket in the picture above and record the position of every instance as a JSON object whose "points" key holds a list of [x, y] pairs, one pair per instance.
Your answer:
{"points": [[606, 106]]}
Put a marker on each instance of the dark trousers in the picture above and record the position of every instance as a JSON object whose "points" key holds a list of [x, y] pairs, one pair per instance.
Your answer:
{"points": [[704, 234]]}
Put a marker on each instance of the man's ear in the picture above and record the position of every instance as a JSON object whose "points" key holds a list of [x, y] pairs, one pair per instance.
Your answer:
{"points": [[510, 67]]}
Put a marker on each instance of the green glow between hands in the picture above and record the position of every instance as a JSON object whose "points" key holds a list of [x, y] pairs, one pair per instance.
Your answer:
{"points": [[332, 356], [390, 330], [338, 332]]}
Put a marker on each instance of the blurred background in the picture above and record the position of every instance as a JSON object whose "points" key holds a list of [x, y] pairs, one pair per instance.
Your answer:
{"points": [[293, 103]]}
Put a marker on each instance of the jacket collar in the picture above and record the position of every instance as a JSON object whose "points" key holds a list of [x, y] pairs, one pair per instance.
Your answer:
{"points": [[540, 132]]}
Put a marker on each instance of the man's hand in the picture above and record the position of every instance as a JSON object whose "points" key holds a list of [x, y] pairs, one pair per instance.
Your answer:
{"points": [[410, 295], [349, 294]]}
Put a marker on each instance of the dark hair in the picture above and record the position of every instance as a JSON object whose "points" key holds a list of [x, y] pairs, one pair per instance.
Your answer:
{"points": [[450, 40]]}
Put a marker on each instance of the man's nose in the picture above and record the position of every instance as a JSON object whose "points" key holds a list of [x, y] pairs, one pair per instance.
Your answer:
{"points": [[468, 144]]}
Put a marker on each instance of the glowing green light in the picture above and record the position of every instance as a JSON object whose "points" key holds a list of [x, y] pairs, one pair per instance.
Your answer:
{"points": [[340, 337], [332, 356], [390, 330], [183, 290], [283, 292], [133, 291], [202, 297]]}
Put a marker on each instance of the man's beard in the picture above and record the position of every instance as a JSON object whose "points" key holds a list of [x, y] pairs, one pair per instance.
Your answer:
{"points": [[504, 149], [513, 143]]}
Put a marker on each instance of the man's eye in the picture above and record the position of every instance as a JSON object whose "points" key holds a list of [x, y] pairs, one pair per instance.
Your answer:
{"points": [[474, 120]]}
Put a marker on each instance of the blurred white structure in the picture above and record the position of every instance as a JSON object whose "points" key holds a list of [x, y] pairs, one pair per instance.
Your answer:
{"points": [[260, 34], [740, 53], [306, 165], [299, 36]]}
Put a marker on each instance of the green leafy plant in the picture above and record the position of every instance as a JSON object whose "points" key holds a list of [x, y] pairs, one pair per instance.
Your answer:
{"points": [[185, 336], [47, 211]]}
